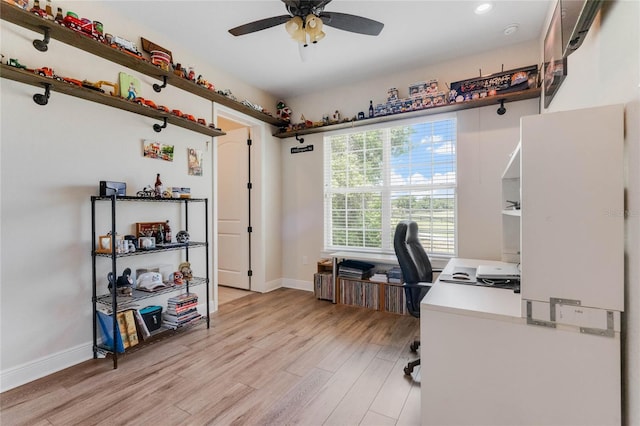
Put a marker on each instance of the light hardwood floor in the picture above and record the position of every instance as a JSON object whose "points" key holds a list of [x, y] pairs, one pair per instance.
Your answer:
{"points": [[281, 358]]}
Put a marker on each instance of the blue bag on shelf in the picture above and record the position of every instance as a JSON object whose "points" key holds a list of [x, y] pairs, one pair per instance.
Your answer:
{"points": [[106, 326]]}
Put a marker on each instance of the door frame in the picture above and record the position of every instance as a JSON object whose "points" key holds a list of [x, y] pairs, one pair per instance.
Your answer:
{"points": [[257, 133]]}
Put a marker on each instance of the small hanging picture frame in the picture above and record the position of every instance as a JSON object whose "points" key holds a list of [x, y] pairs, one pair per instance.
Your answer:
{"points": [[194, 157]]}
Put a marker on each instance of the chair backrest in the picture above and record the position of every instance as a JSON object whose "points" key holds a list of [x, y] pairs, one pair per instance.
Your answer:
{"points": [[414, 263]]}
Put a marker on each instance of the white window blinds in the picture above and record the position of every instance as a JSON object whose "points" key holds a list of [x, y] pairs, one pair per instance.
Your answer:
{"points": [[375, 178]]}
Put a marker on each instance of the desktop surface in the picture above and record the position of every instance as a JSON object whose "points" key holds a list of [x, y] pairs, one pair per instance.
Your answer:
{"points": [[472, 299]]}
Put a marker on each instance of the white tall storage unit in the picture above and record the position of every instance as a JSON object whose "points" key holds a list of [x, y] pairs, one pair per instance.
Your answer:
{"points": [[551, 354]]}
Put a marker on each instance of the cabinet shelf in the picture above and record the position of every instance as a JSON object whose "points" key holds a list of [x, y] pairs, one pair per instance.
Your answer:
{"points": [[126, 301], [492, 100], [65, 35], [162, 333], [139, 252], [33, 79]]}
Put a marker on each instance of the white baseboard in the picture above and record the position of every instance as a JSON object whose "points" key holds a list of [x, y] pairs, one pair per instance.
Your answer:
{"points": [[33, 370], [297, 284]]}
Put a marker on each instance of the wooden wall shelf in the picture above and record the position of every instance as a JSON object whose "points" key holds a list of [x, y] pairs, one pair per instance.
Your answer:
{"points": [[36, 80], [493, 100], [58, 32]]}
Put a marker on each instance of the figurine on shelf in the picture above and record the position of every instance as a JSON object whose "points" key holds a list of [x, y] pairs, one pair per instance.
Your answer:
{"points": [[191, 75], [283, 111], [185, 269], [178, 278], [123, 285], [178, 70]]}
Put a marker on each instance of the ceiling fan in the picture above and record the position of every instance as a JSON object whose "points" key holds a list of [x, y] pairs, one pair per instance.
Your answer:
{"points": [[305, 20]]}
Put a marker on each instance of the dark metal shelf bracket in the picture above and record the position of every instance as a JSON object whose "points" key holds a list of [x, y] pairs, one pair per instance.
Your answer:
{"points": [[159, 88], [42, 45], [158, 128], [43, 99]]}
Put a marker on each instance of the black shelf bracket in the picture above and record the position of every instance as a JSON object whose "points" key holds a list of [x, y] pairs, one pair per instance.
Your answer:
{"points": [[159, 88], [301, 140], [158, 128], [43, 45], [43, 98]]}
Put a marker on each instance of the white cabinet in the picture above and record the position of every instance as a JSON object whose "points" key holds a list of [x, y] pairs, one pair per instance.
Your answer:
{"points": [[482, 365], [550, 355], [511, 201], [573, 207]]}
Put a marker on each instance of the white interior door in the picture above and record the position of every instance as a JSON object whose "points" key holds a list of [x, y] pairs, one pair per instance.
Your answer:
{"points": [[233, 209]]}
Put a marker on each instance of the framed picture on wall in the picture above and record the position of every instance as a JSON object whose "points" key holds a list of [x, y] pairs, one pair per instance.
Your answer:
{"points": [[555, 64]]}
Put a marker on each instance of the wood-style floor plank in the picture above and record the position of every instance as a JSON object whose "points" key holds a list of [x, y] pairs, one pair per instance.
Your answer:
{"points": [[280, 358]]}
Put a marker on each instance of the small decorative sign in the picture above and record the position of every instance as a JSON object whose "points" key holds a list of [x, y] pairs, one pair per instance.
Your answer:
{"points": [[298, 149]]}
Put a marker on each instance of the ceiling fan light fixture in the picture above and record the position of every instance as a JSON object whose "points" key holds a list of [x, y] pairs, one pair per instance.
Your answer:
{"points": [[313, 27], [293, 26]]}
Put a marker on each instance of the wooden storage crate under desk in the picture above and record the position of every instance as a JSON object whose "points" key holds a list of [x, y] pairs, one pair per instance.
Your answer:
{"points": [[381, 296]]}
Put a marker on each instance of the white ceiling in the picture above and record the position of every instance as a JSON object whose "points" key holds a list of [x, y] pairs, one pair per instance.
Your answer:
{"points": [[416, 34]]}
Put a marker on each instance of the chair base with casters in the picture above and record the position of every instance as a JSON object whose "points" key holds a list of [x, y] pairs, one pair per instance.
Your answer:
{"points": [[414, 293], [412, 364], [416, 271]]}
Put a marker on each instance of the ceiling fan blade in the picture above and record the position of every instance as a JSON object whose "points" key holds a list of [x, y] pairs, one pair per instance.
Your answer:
{"points": [[259, 25], [352, 23]]}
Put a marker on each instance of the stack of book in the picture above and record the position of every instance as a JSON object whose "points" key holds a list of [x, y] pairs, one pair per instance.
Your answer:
{"points": [[355, 269], [181, 310], [379, 277], [395, 275]]}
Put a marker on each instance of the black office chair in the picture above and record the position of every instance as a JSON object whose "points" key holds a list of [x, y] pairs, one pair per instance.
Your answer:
{"points": [[416, 270]]}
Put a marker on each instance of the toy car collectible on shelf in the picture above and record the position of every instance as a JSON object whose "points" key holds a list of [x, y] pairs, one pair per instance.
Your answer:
{"points": [[14, 63], [145, 102], [177, 112], [93, 29], [92, 86], [124, 45], [98, 86], [163, 108], [72, 81]]}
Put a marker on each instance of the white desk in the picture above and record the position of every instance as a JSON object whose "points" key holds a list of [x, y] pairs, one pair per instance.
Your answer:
{"points": [[483, 365]]}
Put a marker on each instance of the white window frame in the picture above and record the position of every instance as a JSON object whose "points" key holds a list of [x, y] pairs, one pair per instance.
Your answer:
{"points": [[387, 243]]}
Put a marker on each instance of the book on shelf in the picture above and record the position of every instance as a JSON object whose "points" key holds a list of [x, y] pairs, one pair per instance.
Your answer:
{"points": [[143, 330], [323, 285], [395, 275], [355, 269], [106, 327], [132, 330], [379, 277], [122, 325]]}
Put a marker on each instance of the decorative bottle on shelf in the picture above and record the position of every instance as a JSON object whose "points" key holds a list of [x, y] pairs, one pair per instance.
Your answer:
{"points": [[371, 109], [158, 186], [167, 232], [59, 17], [160, 235], [49, 10], [36, 6]]}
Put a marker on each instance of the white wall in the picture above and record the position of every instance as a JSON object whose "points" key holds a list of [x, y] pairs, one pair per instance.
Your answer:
{"points": [[52, 158], [606, 70], [485, 141]]}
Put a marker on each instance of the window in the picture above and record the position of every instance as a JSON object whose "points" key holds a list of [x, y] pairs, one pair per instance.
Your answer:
{"points": [[377, 177]]}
